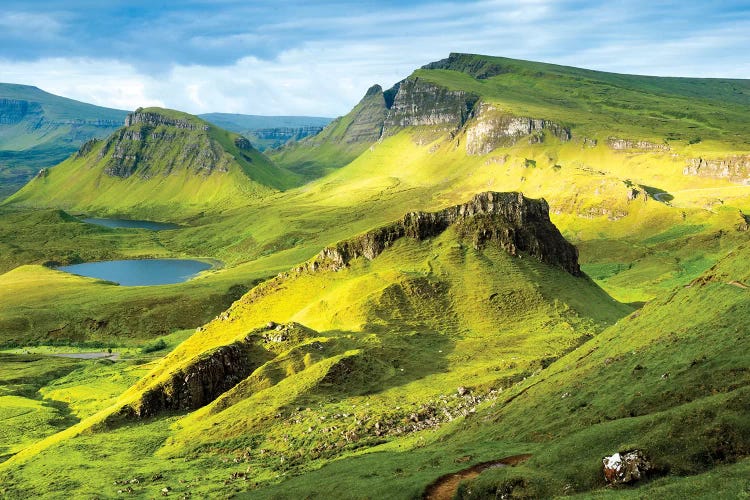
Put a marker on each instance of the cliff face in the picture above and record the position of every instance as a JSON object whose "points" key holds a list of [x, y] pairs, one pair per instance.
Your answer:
{"points": [[733, 168], [418, 102], [13, 111], [197, 385], [367, 118], [624, 144], [152, 119], [516, 224], [492, 128], [152, 144]]}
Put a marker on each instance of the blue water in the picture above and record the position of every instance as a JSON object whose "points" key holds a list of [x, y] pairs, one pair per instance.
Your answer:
{"points": [[140, 272], [138, 224]]}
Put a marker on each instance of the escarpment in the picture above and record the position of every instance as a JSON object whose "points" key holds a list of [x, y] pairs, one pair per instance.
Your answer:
{"points": [[492, 128], [419, 102], [153, 119], [733, 168], [13, 111], [196, 385], [516, 224]]}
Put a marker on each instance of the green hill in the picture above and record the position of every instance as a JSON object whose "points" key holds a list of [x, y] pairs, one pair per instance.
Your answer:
{"points": [[162, 164], [38, 129]]}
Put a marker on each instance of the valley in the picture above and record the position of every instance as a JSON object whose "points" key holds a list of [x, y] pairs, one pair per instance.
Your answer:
{"points": [[493, 258]]}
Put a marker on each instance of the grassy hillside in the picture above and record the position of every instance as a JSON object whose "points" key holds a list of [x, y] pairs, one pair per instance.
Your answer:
{"points": [[163, 164], [391, 336], [38, 129]]}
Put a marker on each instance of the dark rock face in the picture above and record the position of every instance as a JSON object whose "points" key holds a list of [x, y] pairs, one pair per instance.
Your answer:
{"points": [[367, 118], [155, 119], [281, 135], [513, 222], [197, 385], [733, 168], [13, 111], [418, 102]]}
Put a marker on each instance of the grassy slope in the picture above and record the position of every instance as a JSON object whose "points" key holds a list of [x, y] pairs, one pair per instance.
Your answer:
{"points": [[339, 142], [677, 390], [430, 299], [162, 187]]}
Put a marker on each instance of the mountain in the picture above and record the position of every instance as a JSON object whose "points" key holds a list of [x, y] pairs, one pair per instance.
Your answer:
{"points": [[339, 142], [38, 129], [268, 132], [496, 101], [161, 162]]}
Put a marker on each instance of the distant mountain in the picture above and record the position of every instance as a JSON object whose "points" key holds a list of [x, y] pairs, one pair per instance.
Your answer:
{"points": [[268, 132], [39, 129], [162, 163]]}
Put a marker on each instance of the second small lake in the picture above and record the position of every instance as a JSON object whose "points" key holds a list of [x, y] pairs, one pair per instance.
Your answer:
{"points": [[132, 224], [140, 272]]}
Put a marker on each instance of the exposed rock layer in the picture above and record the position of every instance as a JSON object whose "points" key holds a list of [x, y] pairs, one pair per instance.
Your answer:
{"points": [[733, 168], [197, 385], [513, 222], [492, 128], [418, 102]]}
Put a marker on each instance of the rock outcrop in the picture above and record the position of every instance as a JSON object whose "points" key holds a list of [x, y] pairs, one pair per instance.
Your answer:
{"points": [[626, 144], [197, 385], [155, 144], [155, 119], [419, 102], [276, 137], [732, 168], [492, 128], [516, 224]]}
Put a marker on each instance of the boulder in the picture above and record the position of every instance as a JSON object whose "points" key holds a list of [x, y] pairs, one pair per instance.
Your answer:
{"points": [[626, 467]]}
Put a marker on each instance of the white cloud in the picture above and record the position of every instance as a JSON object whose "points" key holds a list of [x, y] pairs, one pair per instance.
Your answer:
{"points": [[327, 73]]}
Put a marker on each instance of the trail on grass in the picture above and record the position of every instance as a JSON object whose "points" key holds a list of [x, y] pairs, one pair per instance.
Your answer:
{"points": [[444, 487]]}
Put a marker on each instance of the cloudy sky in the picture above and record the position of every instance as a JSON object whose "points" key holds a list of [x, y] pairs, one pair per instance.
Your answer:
{"points": [[319, 57]]}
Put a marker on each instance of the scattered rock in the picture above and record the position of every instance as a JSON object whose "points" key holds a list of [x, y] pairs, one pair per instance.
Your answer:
{"points": [[626, 467]]}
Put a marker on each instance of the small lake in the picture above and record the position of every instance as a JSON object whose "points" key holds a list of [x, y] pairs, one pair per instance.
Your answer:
{"points": [[140, 272], [132, 224]]}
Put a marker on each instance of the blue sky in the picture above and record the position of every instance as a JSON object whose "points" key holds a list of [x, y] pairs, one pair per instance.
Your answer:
{"points": [[318, 58]]}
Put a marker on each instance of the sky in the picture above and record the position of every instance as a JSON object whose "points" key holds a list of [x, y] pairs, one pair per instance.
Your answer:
{"points": [[318, 58]]}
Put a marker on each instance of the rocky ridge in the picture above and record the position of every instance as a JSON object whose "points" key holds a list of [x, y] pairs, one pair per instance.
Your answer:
{"points": [[196, 385], [733, 168], [516, 224], [625, 144]]}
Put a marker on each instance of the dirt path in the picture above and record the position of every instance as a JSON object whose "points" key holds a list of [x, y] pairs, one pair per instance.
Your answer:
{"points": [[444, 487]]}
